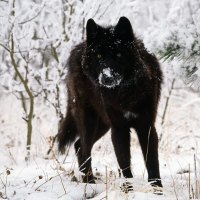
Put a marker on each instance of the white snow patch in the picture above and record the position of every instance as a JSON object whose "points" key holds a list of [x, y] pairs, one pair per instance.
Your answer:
{"points": [[107, 72], [129, 115], [74, 100]]}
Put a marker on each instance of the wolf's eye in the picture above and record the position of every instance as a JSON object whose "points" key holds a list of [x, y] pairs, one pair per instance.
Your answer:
{"points": [[119, 55], [99, 56]]}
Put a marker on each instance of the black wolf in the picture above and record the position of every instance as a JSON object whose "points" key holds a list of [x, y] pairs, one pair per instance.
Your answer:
{"points": [[113, 83]]}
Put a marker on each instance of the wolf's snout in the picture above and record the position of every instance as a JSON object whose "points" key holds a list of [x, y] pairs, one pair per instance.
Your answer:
{"points": [[109, 79]]}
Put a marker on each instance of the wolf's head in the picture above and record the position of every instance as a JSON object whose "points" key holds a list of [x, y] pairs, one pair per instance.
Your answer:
{"points": [[111, 58]]}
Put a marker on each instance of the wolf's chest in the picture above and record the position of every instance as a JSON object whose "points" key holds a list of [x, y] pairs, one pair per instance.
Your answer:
{"points": [[130, 115]]}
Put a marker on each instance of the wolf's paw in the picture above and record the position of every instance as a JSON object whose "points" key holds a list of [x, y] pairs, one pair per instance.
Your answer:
{"points": [[157, 186], [158, 190], [126, 187]]}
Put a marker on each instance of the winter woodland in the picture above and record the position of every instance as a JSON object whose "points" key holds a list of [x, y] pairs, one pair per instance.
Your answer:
{"points": [[35, 41]]}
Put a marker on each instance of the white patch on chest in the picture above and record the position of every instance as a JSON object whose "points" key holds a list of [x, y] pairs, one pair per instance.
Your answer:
{"points": [[130, 115]]}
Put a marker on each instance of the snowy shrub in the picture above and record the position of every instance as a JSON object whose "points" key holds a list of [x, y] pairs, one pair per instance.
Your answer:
{"points": [[177, 38]]}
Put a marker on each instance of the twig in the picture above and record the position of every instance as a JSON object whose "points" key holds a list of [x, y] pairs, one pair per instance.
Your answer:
{"points": [[148, 144], [189, 182], [105, 10], [85, 193], [196, 181], [33, 17], [174, 186], [66, 38], [61, 182], [6, 48], [29, 92], [166, 107], [26, 51], [56, 105], [46, 182], [106, 183], [52, 144], [2, 181], [12, 157], [23, 100]]}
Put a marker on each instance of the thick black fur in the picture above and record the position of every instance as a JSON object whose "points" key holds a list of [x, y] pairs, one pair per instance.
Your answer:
{"points": [[113, 82]]}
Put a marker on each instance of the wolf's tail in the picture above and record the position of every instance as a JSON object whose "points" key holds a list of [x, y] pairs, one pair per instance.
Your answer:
{"points": [[67, 133]]}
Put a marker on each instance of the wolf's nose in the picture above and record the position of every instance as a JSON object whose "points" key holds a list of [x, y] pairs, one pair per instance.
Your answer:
{"points": [[107, 80]]}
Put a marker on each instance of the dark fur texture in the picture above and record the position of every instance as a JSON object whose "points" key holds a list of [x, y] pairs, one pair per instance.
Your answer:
{"points": [[113, 82]]}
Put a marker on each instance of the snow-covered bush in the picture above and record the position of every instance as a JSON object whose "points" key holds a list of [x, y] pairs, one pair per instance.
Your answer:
{"points": [[177, 38], [35, 40]]}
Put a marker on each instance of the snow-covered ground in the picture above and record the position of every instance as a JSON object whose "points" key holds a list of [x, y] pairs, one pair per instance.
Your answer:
{"points": [[49, 180]]}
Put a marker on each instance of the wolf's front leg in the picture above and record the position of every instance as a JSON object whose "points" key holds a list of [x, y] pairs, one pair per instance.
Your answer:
{"points": [[149, 143], [121, 143]]}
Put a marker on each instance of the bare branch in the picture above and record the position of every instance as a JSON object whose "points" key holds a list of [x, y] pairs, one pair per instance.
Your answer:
{"points": [[5, 47], [4, 1], [24, 22], [29, 92], [166, 107]]}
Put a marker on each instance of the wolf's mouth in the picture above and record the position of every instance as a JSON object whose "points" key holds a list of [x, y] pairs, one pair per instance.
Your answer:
{"points": [[109, 79]]}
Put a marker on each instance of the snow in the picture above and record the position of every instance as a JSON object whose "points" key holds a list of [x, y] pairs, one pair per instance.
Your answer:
{"points": [[53, 176], [50, 179], [107, 72]]}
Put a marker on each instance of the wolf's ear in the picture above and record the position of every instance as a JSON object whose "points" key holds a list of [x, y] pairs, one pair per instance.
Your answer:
{"points": [[91, 30], [124, 29]]}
